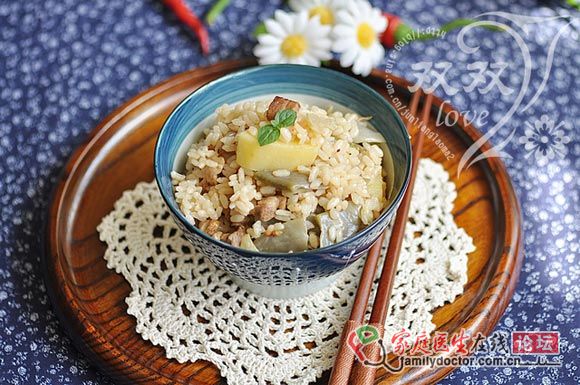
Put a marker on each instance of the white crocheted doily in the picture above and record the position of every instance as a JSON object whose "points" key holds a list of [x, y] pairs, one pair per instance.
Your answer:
{"points": [[195, 312]]}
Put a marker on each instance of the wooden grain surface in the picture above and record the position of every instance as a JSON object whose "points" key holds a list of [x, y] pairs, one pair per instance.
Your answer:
{"points": [[90, 299]]}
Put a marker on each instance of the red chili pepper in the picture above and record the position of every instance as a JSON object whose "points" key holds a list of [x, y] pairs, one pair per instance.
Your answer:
{"points": [[396, 30], [189, 18], [388, 37]]}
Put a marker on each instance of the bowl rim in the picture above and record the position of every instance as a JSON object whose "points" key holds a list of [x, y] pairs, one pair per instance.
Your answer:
{"points": [[313, 252]]}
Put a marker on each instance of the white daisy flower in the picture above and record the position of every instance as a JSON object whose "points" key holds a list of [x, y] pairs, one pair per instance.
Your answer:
{"points": [[326, 10], [357, 37], [294, 38]]}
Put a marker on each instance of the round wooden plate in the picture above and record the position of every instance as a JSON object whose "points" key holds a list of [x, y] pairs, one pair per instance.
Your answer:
{"points": [[90, 299]]}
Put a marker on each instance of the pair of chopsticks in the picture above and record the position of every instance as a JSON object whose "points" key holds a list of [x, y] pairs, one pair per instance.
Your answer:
{"points": [[346, 370]]}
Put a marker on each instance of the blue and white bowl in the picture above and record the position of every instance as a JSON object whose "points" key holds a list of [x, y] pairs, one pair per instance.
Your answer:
{"points": [[281, 274]]}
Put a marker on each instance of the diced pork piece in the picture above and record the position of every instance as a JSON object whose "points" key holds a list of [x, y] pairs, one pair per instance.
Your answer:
{"points": [[278, 104], [210, 226], [235, 238], [266, 208], [282, 202], [209, 175]]}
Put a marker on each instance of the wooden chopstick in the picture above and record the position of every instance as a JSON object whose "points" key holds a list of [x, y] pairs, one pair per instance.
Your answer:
{"points": [[361, 374], [345, 357]]}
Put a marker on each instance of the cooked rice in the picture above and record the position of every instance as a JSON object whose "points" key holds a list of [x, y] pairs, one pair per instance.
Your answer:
{"points": [[215, 187]]}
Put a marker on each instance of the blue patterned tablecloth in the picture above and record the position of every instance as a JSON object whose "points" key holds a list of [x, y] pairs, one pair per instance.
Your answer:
{"points": [[66, 64]]}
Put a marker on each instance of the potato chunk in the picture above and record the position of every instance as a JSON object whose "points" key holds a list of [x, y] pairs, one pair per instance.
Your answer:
{"points": [[266, 208], [273, 156]]}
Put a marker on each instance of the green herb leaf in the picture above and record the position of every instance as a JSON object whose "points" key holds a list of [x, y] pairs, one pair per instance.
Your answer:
{"points": [[268, 134], [271, 132], [284, 118]]}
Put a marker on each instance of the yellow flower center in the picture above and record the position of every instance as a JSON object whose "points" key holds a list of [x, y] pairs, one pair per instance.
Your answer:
{"points": [[325, 14], [294, 46], [366, 35]]}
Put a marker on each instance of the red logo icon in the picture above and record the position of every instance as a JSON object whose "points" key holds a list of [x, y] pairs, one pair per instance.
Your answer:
{"points": [[535, 342]]}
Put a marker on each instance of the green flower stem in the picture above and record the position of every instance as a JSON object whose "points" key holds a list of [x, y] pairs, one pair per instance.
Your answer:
{"points": [[574, 3], [404, 31], [260, 30], [216, 10], [460, 23]]}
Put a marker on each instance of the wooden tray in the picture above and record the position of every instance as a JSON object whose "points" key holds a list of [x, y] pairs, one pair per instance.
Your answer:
{"points": [[90, 299]]}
